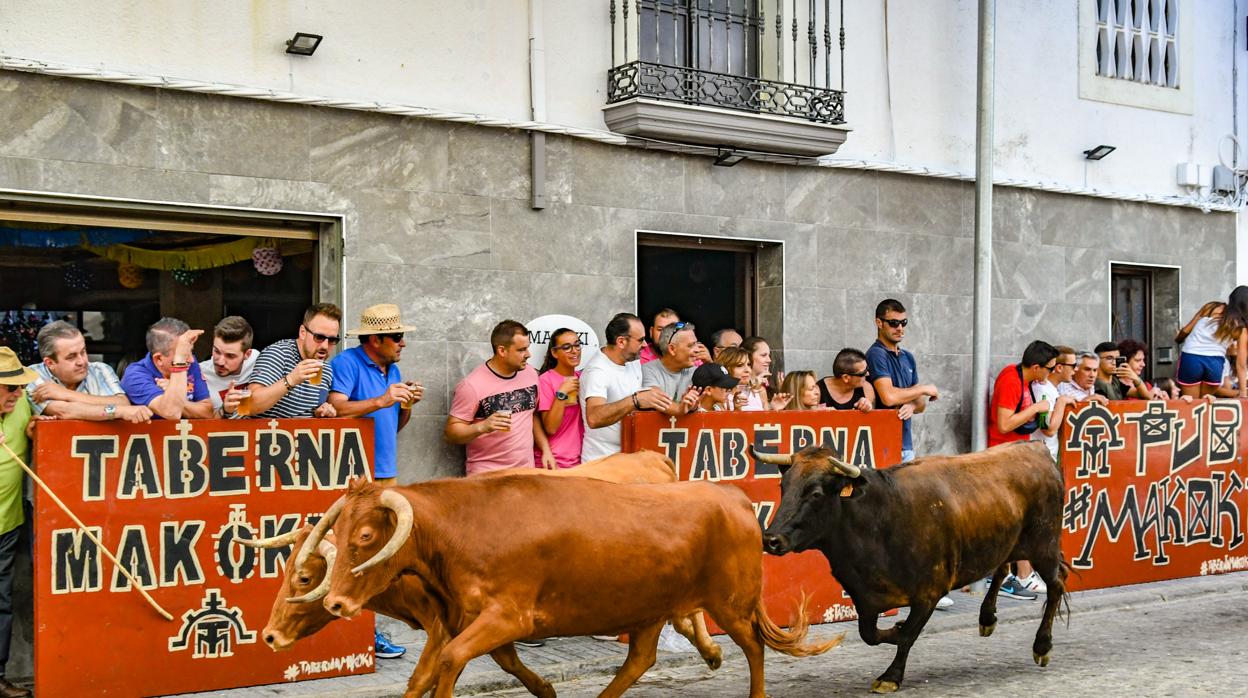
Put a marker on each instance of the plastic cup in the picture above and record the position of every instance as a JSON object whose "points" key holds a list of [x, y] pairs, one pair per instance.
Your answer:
{"points": [[244, 403], [508, 414], [316, 377]]}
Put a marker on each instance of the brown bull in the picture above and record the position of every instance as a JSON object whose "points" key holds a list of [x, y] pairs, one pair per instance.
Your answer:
{"points": [[516, 558], [906, 535], [298, 612]]}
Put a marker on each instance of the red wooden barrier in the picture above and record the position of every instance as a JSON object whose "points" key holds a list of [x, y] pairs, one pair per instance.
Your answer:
{"points": [[712, 446], [168, 499], [1154, 490]]}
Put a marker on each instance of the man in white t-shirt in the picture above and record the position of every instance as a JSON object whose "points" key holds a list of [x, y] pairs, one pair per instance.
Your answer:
{"points": [[1051, 422], [611, 387], [232, 358]]}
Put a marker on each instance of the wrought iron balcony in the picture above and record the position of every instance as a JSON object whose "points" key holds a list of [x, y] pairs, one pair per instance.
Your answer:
{"points": [[683, 68], [707, 88]]}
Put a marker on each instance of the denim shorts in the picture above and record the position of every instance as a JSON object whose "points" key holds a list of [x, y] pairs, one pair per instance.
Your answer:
{"points": [[1194, 369]]}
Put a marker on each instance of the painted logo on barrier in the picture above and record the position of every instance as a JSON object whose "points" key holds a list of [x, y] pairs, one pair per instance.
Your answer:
{"points": [[1146, 480], [212, 630]]}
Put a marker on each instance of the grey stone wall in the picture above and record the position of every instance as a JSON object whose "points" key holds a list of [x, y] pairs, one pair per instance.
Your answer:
{"points": [[437, 220]]}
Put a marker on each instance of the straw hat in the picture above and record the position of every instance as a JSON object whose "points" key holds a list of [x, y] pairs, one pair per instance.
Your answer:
{"points": [[12, 372], [382, 318]]}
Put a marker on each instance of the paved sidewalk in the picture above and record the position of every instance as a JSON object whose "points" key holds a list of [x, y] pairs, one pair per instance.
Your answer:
{"points": [[563, 659]]}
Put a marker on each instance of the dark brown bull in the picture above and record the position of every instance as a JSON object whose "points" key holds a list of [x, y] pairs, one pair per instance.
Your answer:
{"points": [[298, 612], [906, 535], [516, 558]]}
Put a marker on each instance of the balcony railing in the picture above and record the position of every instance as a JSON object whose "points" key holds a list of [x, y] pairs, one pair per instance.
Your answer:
{"points": [[770, 57]]}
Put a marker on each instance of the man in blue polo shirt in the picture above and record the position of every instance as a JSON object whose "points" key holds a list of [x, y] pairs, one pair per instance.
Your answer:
{"points": [[367, 384], [894, 373], [168, 380]]}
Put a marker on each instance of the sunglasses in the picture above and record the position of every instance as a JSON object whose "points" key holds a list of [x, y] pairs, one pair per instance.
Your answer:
{"points": [[569, 347], [860, 374], [1069, 365], [896, 323], [395, 337], [323, 338], [11, 388]]}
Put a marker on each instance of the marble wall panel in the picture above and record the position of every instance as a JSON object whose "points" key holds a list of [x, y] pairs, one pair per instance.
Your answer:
{"points": [[747, 190], [929, 206], [228, 135], [358, 149], [608, 175], [850, 258], [828, 196], [814, 318]]}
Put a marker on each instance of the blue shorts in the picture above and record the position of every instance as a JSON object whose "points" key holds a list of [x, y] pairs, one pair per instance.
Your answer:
{"points": [[1195, 369]]}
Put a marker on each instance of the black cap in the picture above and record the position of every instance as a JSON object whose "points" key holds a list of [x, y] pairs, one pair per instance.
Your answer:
{"points": [[713, 375]]}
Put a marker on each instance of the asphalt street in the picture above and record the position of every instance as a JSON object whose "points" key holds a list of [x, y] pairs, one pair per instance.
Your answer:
{"points": [[1194, 645]]}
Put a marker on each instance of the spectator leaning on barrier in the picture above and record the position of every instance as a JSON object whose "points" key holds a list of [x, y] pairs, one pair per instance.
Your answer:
{"points": [[168, 380], [292, 376], [802, 389], [367, 383], [611, 387], [16, 422], [747, 396], [1082, 385], [1130, 373], [894, 372], [673, 372], [558, 401], [492, 411], [848, 387], [714, 383], [232, 358], [1049, 390], [70, 386]]}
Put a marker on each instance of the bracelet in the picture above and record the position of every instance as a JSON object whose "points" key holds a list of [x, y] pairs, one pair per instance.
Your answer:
{"points": [[179, 369], [286, 380], [180, 364], [636, 404]]}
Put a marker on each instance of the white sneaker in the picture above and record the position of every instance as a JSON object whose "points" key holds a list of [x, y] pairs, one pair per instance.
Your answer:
{"points": [[606, 638], [1033, 582], [944, 604]]}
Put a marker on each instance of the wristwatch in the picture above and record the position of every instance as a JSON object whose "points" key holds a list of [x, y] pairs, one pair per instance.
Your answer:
{"points": [[110, 412], [560, 395]]}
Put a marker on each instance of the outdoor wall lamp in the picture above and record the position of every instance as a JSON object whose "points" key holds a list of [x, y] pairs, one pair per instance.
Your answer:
{"points": [[303, 44], [1098, 152], [728, 157]]}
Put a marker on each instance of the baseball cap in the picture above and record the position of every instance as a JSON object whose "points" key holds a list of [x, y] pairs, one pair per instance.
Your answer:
{"points": [[713, 375]]}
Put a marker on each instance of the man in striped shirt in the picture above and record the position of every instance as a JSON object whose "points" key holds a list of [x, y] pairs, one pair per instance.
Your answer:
{"points": [[292, 376]]}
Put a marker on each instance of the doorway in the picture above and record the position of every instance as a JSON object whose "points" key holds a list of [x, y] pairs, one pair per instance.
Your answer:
{"points": [[711, 282], [1144, 306]]}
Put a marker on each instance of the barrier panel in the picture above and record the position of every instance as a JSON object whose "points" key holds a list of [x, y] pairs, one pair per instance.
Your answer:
{"points": [[169, 499], [712, 446], [1154, 490]]}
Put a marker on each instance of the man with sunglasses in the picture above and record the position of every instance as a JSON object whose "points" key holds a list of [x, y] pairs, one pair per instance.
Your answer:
{"points": [[894, 372], [292, 377], [16, 422]]}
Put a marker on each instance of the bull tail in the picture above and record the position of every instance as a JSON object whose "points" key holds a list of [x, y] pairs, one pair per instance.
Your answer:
{"points": [[1063, 608], [791, 641]]}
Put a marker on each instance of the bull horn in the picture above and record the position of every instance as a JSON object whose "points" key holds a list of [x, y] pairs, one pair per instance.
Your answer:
{"points": [[314, 538], [275, 542], [772, 458], [329, 552], [844, 468], [402, 529]]}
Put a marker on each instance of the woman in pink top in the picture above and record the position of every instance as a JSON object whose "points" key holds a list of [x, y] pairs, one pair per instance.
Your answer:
{"points": [[557, 405]]}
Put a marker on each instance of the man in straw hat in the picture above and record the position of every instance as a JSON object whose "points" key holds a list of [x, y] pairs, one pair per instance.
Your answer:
{"points": [[16, 421], [367, 384], [292, 376]]}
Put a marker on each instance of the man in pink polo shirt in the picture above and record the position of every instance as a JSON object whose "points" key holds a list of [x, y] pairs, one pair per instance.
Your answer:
{"points": [[492, 411]]}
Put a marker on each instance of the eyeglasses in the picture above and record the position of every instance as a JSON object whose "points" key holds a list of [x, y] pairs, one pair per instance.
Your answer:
{"points": [[323, 338], [896, 323], [569, 347]]}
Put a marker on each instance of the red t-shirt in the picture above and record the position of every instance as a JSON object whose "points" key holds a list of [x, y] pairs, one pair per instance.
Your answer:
{"points": [[1006, 392]]}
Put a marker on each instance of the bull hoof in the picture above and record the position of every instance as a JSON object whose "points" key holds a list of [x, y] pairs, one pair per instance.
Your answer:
{"points": [[714, 661], [880, 686], [986, 630], [1041, 659]]}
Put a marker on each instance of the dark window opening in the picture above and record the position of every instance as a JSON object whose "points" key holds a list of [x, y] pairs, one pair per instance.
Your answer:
{"points": [[710, 285]]}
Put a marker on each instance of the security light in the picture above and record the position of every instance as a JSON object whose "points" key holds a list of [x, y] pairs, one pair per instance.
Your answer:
{"points": [[303, 44], [728, 157], [1098, 152]]}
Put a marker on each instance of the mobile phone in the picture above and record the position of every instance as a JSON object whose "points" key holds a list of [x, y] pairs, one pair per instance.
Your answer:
{"points": [[1120, 360]]}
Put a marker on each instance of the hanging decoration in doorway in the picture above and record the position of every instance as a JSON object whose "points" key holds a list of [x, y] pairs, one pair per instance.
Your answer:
{"points": [[77, 276], [129, 275], [268, 260], [187, 258], [186, 277]]}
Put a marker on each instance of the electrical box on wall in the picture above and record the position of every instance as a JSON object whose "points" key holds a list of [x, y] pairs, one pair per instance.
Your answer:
{"points": [[1187, 174], [1223, 180]]}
